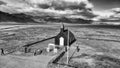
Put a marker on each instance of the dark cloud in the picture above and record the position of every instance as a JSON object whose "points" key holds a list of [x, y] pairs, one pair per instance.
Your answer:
{"points": [[61, 5], [53, 8], [71, 7], [87, 14], [116, 10], [2, 3]]}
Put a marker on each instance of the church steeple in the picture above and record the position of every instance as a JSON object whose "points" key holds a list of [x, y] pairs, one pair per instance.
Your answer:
{"points": [[62, 27]]}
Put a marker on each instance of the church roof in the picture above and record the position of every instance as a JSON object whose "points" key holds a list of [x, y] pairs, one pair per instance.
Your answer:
{"points": [[64, 33]]}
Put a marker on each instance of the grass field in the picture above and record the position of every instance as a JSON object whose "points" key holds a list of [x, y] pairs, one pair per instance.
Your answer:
{"points": [[11, 61], [93, 41]]}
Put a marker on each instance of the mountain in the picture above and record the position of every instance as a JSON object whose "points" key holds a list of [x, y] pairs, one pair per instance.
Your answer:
{"points": [[24, 18], [20, 18], [63, 19]]}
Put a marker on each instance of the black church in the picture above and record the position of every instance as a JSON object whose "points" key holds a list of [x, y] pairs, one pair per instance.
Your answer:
{"points": [[62, 38]]}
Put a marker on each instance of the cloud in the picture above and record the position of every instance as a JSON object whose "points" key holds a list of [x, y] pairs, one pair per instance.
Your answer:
{"points": [[61, 4], [116, 10], [12, 6], [116, 13], [71, 8], [105, 13], [2, 3], [110, 14], [51, 4]]}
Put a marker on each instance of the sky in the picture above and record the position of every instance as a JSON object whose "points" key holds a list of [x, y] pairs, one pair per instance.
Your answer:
{"points": [[98, 5], [101, 5], [70, 8], [67, 8]]}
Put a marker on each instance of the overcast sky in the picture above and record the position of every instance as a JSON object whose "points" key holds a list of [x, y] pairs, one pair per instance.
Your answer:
{"points": [[100, 5], [75, 8]]}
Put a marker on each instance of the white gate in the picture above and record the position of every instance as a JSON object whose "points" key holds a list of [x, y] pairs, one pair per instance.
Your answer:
{"points": [[61, 39]]}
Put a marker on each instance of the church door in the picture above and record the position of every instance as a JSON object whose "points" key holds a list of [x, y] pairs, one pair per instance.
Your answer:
{"points": [[61, 41]]}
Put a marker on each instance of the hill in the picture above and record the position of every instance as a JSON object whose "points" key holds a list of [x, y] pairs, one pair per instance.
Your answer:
{"points": [[26, 18], [6, 17]]}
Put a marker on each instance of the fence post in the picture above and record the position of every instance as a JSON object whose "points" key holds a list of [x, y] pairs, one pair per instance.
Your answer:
{"points": [[2, 51], [26, 49]]}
